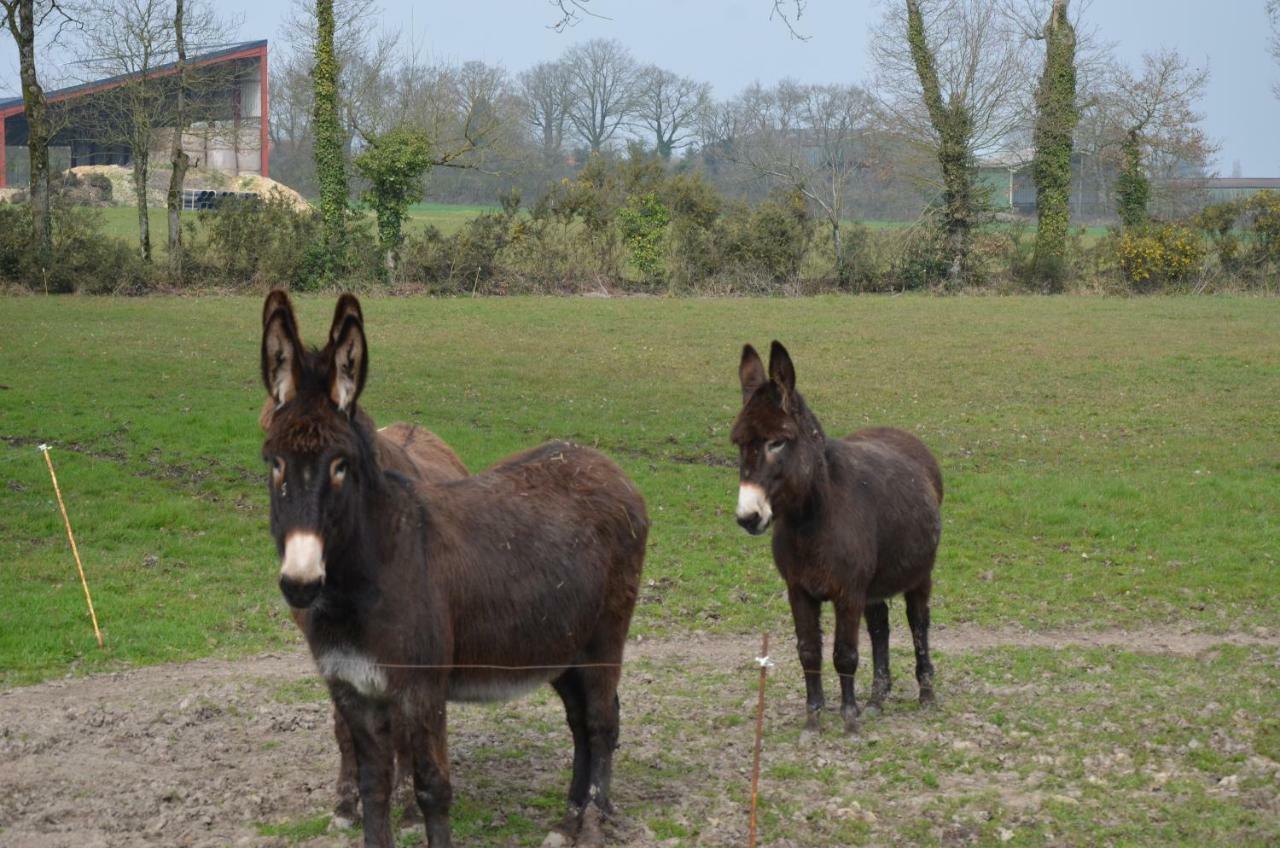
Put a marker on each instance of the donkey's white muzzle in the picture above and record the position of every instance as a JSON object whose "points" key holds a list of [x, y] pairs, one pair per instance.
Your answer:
{"points": [[754, 513]]}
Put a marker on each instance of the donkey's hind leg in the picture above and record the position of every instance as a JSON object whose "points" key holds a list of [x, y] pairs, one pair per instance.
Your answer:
{"points": [[569, 687], [600, 686], [878, 626], [918, 618]]}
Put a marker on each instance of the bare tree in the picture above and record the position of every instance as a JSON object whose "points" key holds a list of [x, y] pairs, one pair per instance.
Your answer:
{"points": [[1154, 129], [669, 106], [814, 139], [198, 18], [545, 89], [136, 40], [1273, 18], [24, 18], [954, 76], [132, 39], [603, 92]]}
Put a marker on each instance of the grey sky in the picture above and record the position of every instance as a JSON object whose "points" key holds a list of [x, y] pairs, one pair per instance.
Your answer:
{"points": [[730, 43]]}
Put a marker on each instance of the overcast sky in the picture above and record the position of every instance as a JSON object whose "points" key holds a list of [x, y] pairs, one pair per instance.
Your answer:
{"points": [[730, 43]]}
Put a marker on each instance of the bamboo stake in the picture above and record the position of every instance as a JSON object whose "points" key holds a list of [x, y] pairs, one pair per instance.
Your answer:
{"points": [[74, 550], [764, 662]]}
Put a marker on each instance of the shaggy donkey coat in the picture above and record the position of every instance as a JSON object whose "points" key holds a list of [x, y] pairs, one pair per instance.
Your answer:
{"points": [[420, 593], [420, 455], [856, 521]]}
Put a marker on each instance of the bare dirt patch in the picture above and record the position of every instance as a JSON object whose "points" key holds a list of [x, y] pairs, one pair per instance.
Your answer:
{"points": [[210, 752]]}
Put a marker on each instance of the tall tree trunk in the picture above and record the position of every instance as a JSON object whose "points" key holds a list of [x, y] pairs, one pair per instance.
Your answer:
{"points": [[330, 164], [141, 170], [21, 18], [178, 157], [1056, 119], [838, 248], [954, 127]]}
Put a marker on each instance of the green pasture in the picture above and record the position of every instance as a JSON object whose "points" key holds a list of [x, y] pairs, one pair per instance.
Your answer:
{"points": [[1107, 462]]}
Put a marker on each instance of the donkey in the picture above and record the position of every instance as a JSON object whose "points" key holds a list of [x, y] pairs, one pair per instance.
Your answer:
{"points": [[856, 521], [419, 593], [418, 454]]}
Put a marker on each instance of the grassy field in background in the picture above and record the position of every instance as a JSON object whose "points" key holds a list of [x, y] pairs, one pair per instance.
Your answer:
{"points": [[1107, 462]]}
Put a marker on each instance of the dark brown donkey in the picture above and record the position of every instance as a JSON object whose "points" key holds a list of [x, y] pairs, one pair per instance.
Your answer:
{"points": [[856, 521], [419, 455], [419, 593]]}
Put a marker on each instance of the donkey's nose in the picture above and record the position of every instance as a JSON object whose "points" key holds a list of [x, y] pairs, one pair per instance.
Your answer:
{"points": [[300, 595], [752, 523]]}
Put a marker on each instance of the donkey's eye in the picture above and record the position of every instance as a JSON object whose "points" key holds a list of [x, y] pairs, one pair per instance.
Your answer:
{"points": [[277, 468], [776, 445], [338, 471]]}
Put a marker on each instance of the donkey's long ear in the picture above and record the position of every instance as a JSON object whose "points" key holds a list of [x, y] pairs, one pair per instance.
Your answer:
{"points": [[750, 372], [781, 371], [276, 299], [347, 305], [281, 354], [349, 365]]}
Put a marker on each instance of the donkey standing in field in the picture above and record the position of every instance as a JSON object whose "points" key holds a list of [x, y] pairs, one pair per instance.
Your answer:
{"points": [[421, 456], [856, 521], [419, 593]]}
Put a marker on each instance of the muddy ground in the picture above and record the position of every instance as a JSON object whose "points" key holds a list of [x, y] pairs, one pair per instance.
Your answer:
{"points": [[240, 752]]}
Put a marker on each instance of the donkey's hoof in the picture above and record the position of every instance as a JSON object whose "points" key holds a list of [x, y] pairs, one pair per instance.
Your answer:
{"points": [[813, 722], [556, 839], [927, 699], [591, 834], [341, 822], [873, 708], [412, 814]]}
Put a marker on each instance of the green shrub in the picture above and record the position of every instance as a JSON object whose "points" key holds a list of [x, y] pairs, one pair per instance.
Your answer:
{"points": [[643, 224], [84, 259], [770, 238], [1158, 254], [251, 240]]}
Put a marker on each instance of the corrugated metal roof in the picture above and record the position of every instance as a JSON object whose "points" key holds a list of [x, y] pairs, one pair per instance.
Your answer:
{"points": [[108, 82]]}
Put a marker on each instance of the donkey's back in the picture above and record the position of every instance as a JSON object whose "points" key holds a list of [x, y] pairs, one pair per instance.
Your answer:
{"points": [[538, 560], [897, 487]]}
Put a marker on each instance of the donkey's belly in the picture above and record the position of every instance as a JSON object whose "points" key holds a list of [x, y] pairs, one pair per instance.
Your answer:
{"points": [[474, 687]]}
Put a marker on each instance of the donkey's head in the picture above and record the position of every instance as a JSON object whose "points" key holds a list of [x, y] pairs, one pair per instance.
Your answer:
{"points": [[317, 447], [780, 443]]}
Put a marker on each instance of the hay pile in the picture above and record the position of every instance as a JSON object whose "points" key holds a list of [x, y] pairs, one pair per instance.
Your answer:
{"points": [[197, 178]]}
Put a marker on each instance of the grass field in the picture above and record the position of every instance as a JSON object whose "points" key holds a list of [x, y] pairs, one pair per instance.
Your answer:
{"points": [[1109, 464]]}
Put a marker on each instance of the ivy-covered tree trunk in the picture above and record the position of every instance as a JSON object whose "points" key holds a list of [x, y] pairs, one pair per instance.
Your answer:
{"points": [[953, 125], [141, 173], [178, 157], [331, 169], [1056, 119], [1133, 191], [20, 16]]}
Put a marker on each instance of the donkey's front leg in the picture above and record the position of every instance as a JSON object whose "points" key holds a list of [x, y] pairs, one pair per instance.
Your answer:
{"points": [[370, 724], [848, 618], [806, 610]]}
